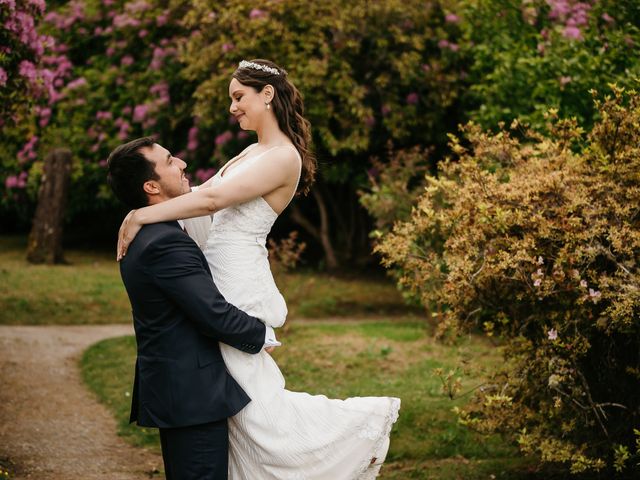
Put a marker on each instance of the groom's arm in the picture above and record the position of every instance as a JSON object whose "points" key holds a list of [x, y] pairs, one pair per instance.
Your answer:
{"points": [[175, 263]]}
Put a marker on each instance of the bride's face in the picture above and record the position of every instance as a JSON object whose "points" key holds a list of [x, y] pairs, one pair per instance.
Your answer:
{"points": [[247, 105]]}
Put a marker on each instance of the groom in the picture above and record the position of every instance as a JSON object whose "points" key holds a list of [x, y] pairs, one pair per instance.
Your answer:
{"points": [[181, 384]]}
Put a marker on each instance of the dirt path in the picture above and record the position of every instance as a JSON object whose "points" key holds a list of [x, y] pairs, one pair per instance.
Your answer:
{"points": [[51, 426]]}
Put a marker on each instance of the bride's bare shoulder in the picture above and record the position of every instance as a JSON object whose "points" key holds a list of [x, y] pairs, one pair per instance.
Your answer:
{"points": [[284, 156]]}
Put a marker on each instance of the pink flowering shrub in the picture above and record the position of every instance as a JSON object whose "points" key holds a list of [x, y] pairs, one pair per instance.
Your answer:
{"points": [[531, 55], [535, 239], [106, 82]]}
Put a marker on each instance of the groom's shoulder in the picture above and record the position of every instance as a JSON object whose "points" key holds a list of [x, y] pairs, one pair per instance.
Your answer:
{"points": [[157, 234]]}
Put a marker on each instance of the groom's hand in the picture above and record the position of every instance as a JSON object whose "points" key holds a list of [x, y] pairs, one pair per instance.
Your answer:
{"points": [[269, 349]]}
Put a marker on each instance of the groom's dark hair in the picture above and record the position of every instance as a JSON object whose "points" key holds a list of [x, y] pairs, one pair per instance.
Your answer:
{"points": [[129, 169]]}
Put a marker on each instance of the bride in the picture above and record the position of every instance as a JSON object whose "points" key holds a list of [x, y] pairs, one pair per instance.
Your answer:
{"points": [[280, 434]]}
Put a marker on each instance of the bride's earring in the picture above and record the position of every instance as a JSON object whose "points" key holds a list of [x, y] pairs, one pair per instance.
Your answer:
{"points": [[268, 105]]}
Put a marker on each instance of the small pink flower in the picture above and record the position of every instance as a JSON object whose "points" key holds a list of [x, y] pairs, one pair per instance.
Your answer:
{"points": [[126, 60], [257, 13], [552, 334], [204, 174], [242, 135], [227, 47], [607, 18], [565, 80], [3, 77], [223, 138], [140, 113], [572, 32], [413, 98], [583, 283], [385, 110], [595, 295], [537, 282], [451, 18], [77, 83]]}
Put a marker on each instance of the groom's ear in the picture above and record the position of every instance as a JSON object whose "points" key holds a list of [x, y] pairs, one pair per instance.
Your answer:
{"points": [[151, 187]]}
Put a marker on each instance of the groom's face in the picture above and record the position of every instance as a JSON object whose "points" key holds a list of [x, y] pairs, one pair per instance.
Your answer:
{"points": [[171, 181]]}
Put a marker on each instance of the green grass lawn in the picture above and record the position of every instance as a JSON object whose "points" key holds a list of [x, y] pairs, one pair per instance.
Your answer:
{"points": [[89, 291], [341, 359]]}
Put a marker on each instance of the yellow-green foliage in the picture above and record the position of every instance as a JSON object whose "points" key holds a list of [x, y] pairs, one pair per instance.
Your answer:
{"points": [[536, 239]]}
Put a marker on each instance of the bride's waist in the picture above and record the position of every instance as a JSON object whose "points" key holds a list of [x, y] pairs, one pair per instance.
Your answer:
{"points": [[240, 238]]}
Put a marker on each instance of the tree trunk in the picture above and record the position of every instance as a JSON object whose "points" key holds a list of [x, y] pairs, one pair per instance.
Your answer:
{"points": [[325, 239], [320, 234], [45, 239]]}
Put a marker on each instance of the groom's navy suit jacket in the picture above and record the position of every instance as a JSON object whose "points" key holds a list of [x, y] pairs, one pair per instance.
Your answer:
{"points": [[179, 316]]}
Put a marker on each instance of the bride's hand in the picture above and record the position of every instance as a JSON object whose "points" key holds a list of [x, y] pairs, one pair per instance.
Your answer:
{"points": [[128, 231]]}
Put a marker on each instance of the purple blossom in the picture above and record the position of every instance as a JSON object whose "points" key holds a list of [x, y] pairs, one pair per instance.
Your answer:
{"points": [[227, 47], [126, 60], [192, 142], [204, 174], [124, 130], [413, 98], [157, 59], [103, 115], [16, 181], [595, 295], [552, 334], [27, 70], [3, 77], [257, 13], [451, 18], [11, 182], [607, 18], [162, 19], [124, 20], [443, 43], [140, 113], [28, 151], [77, 83], [573, 33], [223, 138]]}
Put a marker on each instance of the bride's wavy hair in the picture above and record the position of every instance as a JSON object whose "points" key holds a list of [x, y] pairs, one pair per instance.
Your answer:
{"points": [[288, 108]]}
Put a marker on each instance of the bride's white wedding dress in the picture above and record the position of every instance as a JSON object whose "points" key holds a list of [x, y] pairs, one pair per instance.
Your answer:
{"points": [[282, 434]]}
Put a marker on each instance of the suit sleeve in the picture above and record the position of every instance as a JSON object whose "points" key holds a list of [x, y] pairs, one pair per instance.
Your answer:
{"points": [[176, 265]]}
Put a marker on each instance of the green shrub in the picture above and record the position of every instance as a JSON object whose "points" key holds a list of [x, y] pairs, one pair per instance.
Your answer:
{"points": [[536, 240], [531, 55]]}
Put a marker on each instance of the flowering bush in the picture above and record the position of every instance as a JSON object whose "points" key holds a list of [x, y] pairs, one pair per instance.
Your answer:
{"points": [[532, 55], [157, 67], [536, 240]]}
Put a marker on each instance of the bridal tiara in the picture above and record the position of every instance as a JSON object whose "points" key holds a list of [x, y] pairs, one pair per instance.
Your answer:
{"points": [[257, 66]]}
